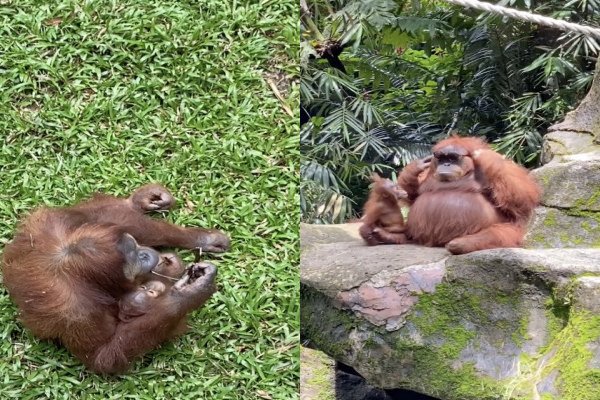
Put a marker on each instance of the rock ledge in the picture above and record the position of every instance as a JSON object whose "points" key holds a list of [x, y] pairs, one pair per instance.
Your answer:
{"points": [[494, 324]]}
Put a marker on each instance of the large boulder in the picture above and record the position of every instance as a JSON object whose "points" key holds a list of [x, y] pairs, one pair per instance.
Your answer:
{"points": [[495, 324], [570, 211], [569, 215]]}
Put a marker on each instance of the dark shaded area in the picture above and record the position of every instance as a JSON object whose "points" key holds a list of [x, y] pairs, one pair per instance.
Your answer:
{"points": [[331, 50], [349, 385]]}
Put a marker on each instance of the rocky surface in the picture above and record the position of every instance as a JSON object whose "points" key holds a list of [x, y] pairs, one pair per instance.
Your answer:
{"points": [[570, 211], [495, 324], [564, 145], [569, 215], [317, 375]]}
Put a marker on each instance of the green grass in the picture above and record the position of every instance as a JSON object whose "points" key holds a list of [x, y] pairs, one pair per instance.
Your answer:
{"points": [[109, 95]]}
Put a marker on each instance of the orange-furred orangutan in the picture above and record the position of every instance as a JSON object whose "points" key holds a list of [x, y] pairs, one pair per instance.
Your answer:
{"points": [[382, 217], [470, 199], [85, 275]]}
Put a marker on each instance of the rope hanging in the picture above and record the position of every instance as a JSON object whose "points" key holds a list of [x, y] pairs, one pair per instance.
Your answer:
{"points": [[527, 16]]}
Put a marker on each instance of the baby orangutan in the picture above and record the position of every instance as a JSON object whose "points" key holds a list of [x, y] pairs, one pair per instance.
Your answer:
{"points": [[156, 295], [140, 301], [145, 296], [382, 219]]}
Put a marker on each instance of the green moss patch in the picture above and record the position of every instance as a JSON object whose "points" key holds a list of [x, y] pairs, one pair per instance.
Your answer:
{"points": [[441, 319], [441, 314], [317, 375], [577, 381], [440, 378]]}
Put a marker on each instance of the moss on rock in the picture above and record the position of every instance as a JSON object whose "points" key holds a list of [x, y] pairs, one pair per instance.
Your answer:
{"points": [[441, 319], [440, 315], [317, 375], [572, 356], [441, 378]]}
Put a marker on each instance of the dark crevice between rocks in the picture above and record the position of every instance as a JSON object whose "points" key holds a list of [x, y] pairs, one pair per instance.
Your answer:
{"points": [[560, 306], [537, 279], [349, 385]]}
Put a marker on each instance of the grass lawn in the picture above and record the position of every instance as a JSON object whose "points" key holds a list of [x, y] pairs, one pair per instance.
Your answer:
{"points": [[108, 95]]}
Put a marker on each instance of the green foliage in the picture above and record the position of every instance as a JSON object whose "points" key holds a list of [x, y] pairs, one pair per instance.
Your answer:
{"points": [[110, 95], [353, 129], [381, 81]]}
